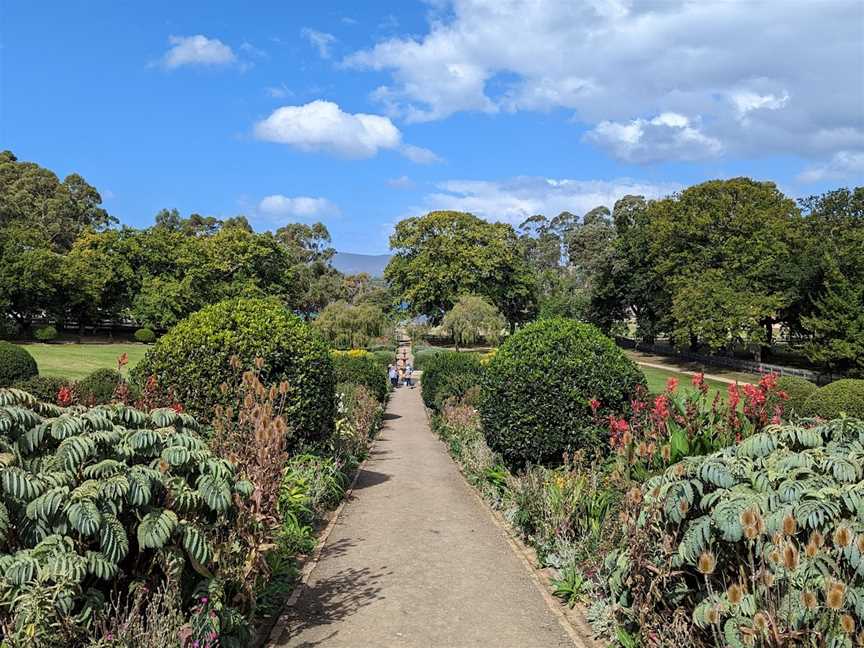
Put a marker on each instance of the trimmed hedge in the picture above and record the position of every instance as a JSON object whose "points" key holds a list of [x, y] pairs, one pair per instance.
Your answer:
{"points": [[46, 334], [537, 387], [797, 389], [16, 364], [384, 358], [98, 387], [44, 388], [145, 336], [448, 374], [193, 358], [361, 368], [840, 397], [424, 355]]}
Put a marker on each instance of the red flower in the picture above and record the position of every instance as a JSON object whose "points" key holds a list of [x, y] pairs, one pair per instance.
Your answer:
{"points": [[734, 396], [177, 407], [661, 407], [637, 405], [671, 384], [594, 404], [698, 381], [64, 396], [768, 381], [617, 428]]}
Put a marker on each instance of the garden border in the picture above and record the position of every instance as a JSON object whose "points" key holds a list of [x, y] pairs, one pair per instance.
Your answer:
{"points": [[571, 619]]}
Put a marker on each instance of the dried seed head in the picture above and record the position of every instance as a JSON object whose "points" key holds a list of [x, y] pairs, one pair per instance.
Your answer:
{"points": [[680, 470], [683, 506], [735, 594], [843, 536], [836, 595], [283, 387], [790, 525], [655, 492], [817, 539], [748, 518], [259, 363], [767, 578], [860, 543], [751, 532], [809, 600], [634, 496], [707, 562], [790, 557], [847, 623], [811, 550], [774, 556], [760, 622], [713, 615], [666, 453]]}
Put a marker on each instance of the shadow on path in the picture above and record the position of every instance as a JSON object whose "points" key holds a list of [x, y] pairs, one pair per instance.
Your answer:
{"points": [[334, 599]]}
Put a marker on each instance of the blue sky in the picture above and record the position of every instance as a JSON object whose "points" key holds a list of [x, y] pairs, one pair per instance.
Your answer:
{"points": [[359, 114]]}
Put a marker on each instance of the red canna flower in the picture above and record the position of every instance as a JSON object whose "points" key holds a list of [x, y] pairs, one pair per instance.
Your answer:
{"points": [[64, 396], [177, 407], [661, 407], [594, 404], [671, 384], [734, 396]]}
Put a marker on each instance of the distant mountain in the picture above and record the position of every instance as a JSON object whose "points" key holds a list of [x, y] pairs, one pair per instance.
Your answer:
{"points": [[371, 264]]}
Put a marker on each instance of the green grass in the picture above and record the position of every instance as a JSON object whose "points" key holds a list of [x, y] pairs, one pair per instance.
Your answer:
{"points": [[657, 381], [77, 360]]}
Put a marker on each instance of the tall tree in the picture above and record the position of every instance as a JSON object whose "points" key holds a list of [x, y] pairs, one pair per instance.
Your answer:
{"points": [[445, 254]]}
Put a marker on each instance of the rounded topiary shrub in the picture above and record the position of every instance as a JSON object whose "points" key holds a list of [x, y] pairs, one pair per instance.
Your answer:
{"points": [[192, 360], [16, 364], [145, 336], [797, 391], [44, 388], [361, 368], [98, 387], [46, 334], [537, 387], [839, 397], [447, 374]]}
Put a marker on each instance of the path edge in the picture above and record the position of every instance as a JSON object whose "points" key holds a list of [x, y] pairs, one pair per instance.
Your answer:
{"points": [[268, 638], [574, 624]]}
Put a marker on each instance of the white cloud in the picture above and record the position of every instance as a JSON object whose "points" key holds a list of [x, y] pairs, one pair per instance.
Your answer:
{"points": [[402, 182], [515, 199], [304, 207], [842, 165], [419, 154], [197, 50], [756, 88], [323, 126], [667, 136], [322, 41]]}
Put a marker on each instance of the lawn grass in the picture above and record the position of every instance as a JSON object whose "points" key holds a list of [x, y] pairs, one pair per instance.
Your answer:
{"points": [[657, 381], [77, 360]]}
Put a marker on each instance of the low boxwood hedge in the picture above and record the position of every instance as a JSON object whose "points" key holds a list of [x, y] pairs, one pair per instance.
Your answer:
{"points": [[361, 368], [537, 388], [145, 336], [839, 397], [44, 388], [98, 387], [16, 364]]}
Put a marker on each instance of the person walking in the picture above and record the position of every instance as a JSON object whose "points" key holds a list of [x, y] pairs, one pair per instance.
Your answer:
{"points": [[409, 371], [401, 375], [393, 375]]}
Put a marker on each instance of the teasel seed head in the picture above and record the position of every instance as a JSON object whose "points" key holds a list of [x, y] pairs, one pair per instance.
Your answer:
{"points": [[707, 562]]}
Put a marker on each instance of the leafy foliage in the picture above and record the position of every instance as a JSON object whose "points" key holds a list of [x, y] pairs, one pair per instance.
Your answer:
{"points": [[145, 336], [449, 374], [101, 497], [192, 359], [796, 391], [348, 326], [538, 387], [45, 333], [44, 388], [761, 540], [361, 368], [99, 387], [471, 319], [836, 398], [16, 364]]}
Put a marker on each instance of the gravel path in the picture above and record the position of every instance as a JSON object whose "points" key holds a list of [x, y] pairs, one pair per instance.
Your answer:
{"points": [[414, 560]]}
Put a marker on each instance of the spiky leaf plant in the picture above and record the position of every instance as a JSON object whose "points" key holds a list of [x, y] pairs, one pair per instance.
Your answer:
{"points": [[762, 542], [94, 498]]}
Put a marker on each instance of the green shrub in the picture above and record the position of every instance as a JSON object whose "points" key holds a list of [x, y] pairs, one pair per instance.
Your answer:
{"points": [[797, 391], [44, 388], [361, 368], [384, 358], [785, 502], [423, 355], [98, 387], [95, 501], [449, 374], [145, 336], [193, 360], [537, 388], [840, 397], [389, 348], [45, 333], [16, 364]]}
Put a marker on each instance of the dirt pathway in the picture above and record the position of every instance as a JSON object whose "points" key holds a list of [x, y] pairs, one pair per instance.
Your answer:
{"points": [[415, 561]]}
